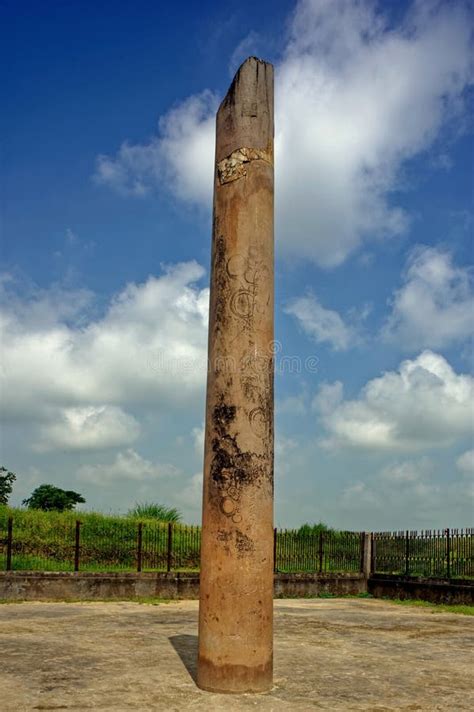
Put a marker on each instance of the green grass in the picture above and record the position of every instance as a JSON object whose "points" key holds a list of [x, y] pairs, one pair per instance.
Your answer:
{"points": [[44, 541], [462, 609]]}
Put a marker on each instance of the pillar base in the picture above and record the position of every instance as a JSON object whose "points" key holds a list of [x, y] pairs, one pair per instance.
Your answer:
{"points": [[234, 679]]}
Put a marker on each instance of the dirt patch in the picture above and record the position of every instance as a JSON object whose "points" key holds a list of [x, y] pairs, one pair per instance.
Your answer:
{"points": [[333, 655]]}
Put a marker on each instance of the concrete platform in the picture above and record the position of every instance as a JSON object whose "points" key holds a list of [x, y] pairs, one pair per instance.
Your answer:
{"points": [[334, 655]]}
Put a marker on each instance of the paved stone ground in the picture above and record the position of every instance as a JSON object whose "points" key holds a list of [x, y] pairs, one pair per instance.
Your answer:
{"points": [[333, 654]]}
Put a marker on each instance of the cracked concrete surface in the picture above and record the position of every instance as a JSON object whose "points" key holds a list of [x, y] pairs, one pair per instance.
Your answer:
{"points": [[334, 655], [235, 166]]}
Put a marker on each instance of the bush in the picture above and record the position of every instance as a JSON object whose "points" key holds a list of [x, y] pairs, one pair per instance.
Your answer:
{"points": [[153, 510]]}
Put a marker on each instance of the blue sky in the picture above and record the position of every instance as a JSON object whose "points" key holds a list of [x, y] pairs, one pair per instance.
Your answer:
{"points": [[106, 194]]}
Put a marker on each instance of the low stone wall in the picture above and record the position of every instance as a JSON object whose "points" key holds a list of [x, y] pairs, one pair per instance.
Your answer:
{"points": [[309, 585], [46, 586], [61, 586], [422, 589]]}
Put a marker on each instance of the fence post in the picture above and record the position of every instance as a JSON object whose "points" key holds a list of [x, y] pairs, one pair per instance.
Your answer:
{"points": [[139, 546], [407, 553], [448, 553], [372, 553], [275, 550], [321, 551], [77, 545], [9, 543], [373, 563], [367, 559], [170, 546]]}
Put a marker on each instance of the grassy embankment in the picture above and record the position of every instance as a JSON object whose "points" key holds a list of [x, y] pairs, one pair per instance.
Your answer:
{"points": [[46, 541]]}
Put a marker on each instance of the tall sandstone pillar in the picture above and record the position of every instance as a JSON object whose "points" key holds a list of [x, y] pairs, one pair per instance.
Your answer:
{"points": [[236, 586]]}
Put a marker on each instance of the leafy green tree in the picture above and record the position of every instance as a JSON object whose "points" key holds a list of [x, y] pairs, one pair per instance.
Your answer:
{"points": [[311, 529], [7, 479], [153, 510], [49, 497]]}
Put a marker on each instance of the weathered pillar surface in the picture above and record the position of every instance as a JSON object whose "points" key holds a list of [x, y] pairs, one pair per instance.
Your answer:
{"points": [[236, 584], [367, 555]]}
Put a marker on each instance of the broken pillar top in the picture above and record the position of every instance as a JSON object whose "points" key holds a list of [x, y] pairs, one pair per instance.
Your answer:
{"points": [[245, 117]]}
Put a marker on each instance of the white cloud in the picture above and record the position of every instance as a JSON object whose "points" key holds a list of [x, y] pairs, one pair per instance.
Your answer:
{"points": [[408, 486], [191, 494], [151, 339], [406, 472], [180, 157], [359, 494], [72, 372], [355, 99], [435, 305], [328, 397], [291, 405], [320, 324], [425, 404], [284, 447], [465, 463], [198, 440], [127, 465], [347, 85], [88, 428], [40, 309]]}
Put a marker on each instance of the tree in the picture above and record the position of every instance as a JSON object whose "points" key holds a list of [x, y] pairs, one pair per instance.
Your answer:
{"points": [[153, 510], [311, 529], [7, 479], [49, 497]]}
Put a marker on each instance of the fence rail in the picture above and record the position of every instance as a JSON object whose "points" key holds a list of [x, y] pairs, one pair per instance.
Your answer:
{"points": [[442, 553], [321, 552], [139, 546], [93, 545]]}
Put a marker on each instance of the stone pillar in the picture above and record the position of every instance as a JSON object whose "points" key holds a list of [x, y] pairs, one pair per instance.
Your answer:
{"points": [[236, 581], [367, 555]]}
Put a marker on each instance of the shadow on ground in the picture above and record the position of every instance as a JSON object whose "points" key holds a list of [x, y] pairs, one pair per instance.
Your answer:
{"points": [[187, 648]]}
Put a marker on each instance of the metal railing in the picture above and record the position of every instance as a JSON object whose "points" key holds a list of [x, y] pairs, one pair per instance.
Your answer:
{"points": [[322, 552], [442, 553], [100, 545], [96, 544]]}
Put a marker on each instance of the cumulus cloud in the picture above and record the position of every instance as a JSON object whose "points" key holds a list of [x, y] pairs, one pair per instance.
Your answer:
{"points": [[191, 494], [127, 465], [355, 99], [424, 404], [285, 448], [73, 372], [328, 397], [180, 157], [359, 495], [435, 305], [408, 485], [320, 324], [198, 435], [406, 472], [151, 339], [465, 463], [292, 405], [88, 428]]}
